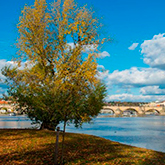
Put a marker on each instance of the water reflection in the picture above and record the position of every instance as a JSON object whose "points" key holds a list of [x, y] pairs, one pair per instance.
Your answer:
{"points": [[16, 122]]}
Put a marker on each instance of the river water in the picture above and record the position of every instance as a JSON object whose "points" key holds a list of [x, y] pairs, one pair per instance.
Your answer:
{"points": [[146, 132], [16, 122]]}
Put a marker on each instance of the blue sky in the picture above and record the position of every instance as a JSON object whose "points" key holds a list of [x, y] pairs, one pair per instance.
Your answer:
{"points": [[134, 61]]}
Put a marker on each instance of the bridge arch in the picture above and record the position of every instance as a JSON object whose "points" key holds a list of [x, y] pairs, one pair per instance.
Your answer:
{"points": [[139, 110], [152, 111], [4, 108], [130, 111], [108, 110]]}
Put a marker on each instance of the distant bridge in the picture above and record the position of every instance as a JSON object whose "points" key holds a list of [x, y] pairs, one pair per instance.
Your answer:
{"points": [[138, 110], [116, 110]]}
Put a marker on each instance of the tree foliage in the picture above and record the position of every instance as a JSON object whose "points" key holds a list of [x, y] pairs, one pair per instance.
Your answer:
{"points": [[54, 76]]}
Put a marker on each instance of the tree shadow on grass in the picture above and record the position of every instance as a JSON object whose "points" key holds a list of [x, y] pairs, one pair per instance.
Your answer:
{"points": [[79, 149], [23, 133]]}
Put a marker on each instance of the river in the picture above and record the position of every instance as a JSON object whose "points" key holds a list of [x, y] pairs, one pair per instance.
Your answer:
{"points": [[146, 132], [16, 122]]}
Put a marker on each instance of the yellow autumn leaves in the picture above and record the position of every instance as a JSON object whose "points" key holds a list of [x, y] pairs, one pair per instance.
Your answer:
{"points": [[62, 74]]}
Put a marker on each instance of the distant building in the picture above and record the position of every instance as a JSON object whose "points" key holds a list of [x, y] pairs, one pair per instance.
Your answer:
{"points": [[3, 102], [6, 106], [162, 103], [156, 104]]}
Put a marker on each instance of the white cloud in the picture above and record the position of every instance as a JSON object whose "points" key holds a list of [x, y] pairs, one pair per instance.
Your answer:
{"points": [[154, 51], [103, 75], [150, 82], [104, 54], [133, 46], [152, 90], [100, 67], [71, 45], [90, 48], [3, 86], [134, 98], [86, 48], [3, 63], [137, 77]]}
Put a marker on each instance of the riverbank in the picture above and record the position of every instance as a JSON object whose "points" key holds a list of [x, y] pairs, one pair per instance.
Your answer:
{"points": [[37, 147]]}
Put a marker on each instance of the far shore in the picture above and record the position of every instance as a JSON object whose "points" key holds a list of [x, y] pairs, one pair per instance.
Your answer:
{"points": [[1, 114]]}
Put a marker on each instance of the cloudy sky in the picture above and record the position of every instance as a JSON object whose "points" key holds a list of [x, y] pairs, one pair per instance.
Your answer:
{"points": [[133, 63]]}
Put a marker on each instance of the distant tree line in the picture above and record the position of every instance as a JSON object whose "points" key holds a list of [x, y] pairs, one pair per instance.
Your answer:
{"points": [[119, 103]]}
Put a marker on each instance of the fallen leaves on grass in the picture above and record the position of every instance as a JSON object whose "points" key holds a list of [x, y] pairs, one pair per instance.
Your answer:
{"points": [[37, 147]]}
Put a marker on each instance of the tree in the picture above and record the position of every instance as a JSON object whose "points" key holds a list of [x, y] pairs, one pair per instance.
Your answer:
{"points": [[54, 77]]}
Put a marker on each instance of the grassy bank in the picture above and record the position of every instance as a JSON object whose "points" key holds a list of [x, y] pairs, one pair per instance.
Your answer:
{"points": [[37, 147]]}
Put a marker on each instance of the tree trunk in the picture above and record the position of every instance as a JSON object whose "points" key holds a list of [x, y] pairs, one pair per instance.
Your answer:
{"points": [[42, 126], [56, 146], [63, 139], [45, 125]]}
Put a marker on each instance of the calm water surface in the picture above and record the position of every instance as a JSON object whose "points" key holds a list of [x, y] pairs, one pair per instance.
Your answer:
{"points": [[16, 122], [145, 132]]}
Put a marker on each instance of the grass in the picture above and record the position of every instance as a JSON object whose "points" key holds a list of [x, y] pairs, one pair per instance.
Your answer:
{"points": [[36, 147]]}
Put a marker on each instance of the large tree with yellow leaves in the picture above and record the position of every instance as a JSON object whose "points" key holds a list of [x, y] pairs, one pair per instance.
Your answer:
{"points": [[54, 77]]}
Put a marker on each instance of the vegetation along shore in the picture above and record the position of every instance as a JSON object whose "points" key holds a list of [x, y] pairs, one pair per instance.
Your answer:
{"points": [[38, 147]]}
